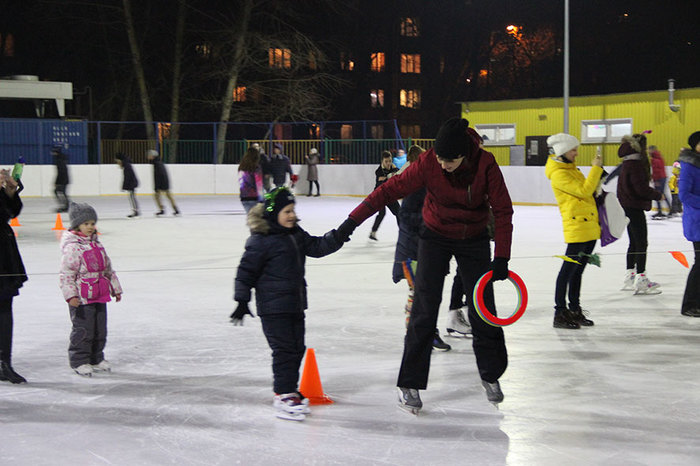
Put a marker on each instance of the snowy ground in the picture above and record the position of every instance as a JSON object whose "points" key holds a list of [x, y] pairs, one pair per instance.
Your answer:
{"points": [[188, 388]]}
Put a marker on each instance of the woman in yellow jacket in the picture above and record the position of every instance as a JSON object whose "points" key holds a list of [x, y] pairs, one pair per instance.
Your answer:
{"points": [[574, 193]]}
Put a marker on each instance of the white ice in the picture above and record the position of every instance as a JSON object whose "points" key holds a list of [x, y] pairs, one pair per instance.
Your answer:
{"points": [[188, 388]]}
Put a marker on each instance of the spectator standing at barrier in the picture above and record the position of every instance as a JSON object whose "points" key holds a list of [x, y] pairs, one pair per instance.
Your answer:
{"points": [[62, 179], [265, 167], [161, 183], [130, 182], [12, 272], [250, 179], [658, 175], [689, 193], [312, 161], [280, 166]]}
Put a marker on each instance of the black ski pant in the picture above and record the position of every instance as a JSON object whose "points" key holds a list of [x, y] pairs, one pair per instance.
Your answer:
{"points": [[285, 335], [394, 207], [89, 334], [570, 275], [691, 297], [473, 259], [457, 293], [6, 324], [637, 231]]}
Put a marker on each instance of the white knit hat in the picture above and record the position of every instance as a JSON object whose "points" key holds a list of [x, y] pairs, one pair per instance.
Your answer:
{"points": [[562, 143]]}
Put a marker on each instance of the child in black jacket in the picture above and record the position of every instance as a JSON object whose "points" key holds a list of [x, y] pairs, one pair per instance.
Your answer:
{"points": [[273, 264]]}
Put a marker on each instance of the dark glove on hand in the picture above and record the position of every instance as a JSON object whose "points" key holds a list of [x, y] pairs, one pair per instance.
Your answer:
{"points": [[240, 312], [499, 266], [342, 234]]}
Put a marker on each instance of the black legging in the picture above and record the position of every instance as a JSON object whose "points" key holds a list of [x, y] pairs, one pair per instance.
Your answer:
{"points": [[637, 231], [6, 323], [691, 297], [393, 207], [570, 275], [311, 187]]}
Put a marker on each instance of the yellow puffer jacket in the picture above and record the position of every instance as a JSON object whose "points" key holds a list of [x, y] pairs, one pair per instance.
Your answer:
{"points": [[574, 194]]}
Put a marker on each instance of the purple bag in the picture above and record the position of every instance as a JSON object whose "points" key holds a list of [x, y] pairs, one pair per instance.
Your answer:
{"points": [[611, 216]]}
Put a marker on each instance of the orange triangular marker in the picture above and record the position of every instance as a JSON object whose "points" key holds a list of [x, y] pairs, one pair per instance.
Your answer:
{"points": [[310, 385], [59, 223], [15, 222], [680, 257]]}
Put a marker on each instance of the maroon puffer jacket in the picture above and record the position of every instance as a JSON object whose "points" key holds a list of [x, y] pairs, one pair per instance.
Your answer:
{"points": [[633, 188], [456, 204]]}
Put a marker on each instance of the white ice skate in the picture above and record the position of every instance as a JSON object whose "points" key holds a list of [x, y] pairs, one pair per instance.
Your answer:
{"points": [[628, 284], [84, 369], [457, 325], [409, 400], [642, 285], [102, 366], [289, 406]]}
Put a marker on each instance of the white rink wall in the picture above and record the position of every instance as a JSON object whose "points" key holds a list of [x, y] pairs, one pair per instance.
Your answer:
{"points": [[527, 185]]}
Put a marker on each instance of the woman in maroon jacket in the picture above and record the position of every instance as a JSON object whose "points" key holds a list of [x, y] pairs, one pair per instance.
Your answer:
{"points": [[635, 196], [462, 181]]}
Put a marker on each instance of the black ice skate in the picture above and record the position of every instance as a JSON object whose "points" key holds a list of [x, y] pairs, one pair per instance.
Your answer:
{"points": [[409, 400]]}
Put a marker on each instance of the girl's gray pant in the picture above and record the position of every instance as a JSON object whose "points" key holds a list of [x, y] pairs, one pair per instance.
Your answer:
{"points": [[89, 334]]}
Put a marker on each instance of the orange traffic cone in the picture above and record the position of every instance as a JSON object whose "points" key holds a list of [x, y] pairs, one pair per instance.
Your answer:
{"points": [[59, 223], [15, 222], [310, 385]]}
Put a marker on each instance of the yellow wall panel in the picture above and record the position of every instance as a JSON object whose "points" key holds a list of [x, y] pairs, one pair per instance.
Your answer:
{"points": [[648, 111]]}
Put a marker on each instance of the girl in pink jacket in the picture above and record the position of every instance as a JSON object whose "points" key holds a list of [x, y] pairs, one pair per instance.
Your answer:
{"points": [[87, 282]]}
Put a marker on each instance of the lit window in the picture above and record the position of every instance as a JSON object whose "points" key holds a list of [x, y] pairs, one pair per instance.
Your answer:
{"points": [[377, 131], [483, 73], [346, 63], [346, 132], [410, 63], [280, 58], [203, 50], [9, 46], [595, 131], [410, 131], [409, 98], [497, 134], [312, 61], [409, 27], [239, 94], [376, 97], [378, 62]]}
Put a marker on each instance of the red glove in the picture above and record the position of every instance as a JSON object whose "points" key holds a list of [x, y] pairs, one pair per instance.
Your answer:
{"points": [[295, 178]]}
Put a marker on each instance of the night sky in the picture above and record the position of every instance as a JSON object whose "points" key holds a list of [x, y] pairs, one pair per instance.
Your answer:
{"points": [[616, 45]]}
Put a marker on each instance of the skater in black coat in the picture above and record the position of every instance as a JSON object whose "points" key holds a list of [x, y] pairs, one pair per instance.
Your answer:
{"points": [[273, 264], [12, 273], [161, 183], [130, 182], [61, 185]]}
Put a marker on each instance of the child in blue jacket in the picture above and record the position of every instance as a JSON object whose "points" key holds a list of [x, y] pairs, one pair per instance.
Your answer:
{"points": [[273, 264]]}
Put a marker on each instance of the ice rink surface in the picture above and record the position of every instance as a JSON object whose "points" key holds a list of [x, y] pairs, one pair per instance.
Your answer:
{"points": [[188, 388]]}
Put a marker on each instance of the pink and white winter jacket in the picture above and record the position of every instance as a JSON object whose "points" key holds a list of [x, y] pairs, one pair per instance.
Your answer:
{"points": [[86, 271]]}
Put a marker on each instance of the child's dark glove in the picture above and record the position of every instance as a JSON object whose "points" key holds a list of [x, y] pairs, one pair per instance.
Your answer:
{"points": [[499, 266], [342, 234], [240, 312]]}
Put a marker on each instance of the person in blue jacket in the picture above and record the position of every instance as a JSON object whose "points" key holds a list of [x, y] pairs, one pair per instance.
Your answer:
{"points": [[273, 264], [689, 193]]}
